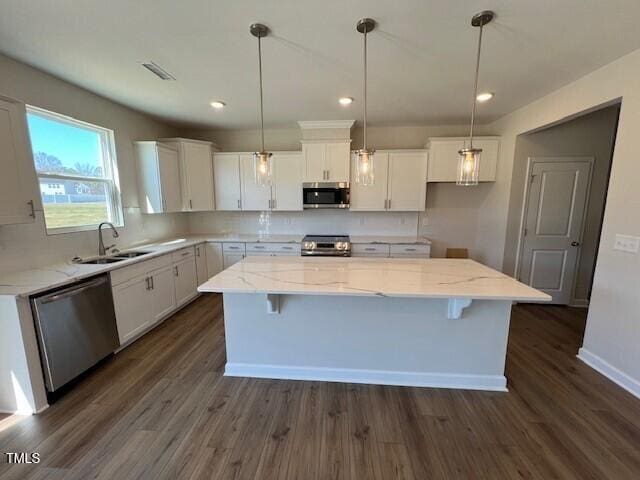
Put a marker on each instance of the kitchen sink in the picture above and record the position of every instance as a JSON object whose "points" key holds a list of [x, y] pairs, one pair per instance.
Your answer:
{"points": [[130, 254], [101, 261]]}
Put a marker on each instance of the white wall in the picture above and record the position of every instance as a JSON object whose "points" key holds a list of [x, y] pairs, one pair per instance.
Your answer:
{"points": [[28, 246], [613, 327]]}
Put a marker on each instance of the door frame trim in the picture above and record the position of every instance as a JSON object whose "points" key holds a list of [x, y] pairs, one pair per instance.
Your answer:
{"points": [[531, 161]]}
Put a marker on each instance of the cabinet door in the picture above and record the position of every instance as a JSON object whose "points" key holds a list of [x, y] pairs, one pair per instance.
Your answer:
{"points": [[16, 162], [287, 185], [214, 259], [169, 171], [198, 176], [201, 264], [163, 297], [370, 197], [315, 162], [407, 181], [254, 197], [226, 176], [443, 160], [185, 280], [132, 302], [231, 258], [488, 158], [338, 161]]}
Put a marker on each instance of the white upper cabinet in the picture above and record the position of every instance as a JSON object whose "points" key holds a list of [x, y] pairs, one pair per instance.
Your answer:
{"points": [[443, 157], [400, 183], [226, 176], [407, 185], [286, 191], [326, 161], [158, 177], [371, 197], [254, 197], [16, 164], [196, 173]]}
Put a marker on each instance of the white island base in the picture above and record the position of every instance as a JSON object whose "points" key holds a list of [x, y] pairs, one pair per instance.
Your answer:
{"points": [[427, 323], [377, 340]]}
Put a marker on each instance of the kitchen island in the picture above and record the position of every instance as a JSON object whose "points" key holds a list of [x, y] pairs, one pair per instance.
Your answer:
{"points": [[432, 322]]}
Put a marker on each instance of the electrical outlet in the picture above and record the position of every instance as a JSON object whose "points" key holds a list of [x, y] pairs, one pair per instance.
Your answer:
{"points": [[627, 243]]}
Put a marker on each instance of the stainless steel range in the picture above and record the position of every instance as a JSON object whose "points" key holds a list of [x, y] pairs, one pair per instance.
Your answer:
{"points": [[326, 246]]}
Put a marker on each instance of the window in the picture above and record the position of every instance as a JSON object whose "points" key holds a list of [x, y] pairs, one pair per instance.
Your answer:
{"points": [[77, 172]]}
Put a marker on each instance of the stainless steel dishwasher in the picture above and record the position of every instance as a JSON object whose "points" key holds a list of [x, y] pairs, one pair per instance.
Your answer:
{"points": [[76, 328]]}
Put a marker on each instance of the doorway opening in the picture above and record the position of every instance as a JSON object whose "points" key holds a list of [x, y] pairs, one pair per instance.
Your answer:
{"points": [[559, 189]]}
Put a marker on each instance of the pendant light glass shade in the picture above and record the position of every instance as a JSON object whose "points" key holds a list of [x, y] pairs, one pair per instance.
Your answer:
{"points": [[365, 172], [262, 159], [262, 166], [468, 166], [469, 160]]}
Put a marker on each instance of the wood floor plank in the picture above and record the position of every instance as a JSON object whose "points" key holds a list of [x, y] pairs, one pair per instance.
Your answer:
{"points": [[162, 409]]}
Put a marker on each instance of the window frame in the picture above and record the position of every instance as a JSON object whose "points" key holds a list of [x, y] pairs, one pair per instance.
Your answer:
{"points": [[111, 178]]}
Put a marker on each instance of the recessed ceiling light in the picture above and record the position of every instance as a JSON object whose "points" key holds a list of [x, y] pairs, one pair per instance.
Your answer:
{"points": [[218, 105], [484, 96], [344, 101]]}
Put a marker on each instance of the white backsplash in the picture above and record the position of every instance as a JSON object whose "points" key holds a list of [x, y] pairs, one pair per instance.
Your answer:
{"points": [[306, 222], [27, 246]]}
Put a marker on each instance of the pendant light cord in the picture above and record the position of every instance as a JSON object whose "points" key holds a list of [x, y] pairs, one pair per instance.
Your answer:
{"points": [[261, 113], [475, 88], [364, 146]]}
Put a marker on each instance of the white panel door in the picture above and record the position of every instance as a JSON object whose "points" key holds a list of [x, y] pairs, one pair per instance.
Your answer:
{"points": [[407, 185], [169, 170], [185, 280], [254, 197], [214, 259], [371, 198], [553, 226], [201, 264], [133, 308], [337, 161], [198, 172], [163, 297], [287, 184], [16, 159], [226, 175], [443, 159], [315, 162]]}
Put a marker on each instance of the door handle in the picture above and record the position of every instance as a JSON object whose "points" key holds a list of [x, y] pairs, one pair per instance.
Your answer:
{"points": [[239, 205], [146, 280], [33, 209], [575, 244], [151, 278], [175, 270]]}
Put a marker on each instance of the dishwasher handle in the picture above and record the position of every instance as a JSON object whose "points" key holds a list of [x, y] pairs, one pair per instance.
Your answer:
{"points": [[71, 291]]}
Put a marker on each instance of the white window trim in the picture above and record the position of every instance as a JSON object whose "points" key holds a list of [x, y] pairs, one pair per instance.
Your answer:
{"points": [[112, 178]]}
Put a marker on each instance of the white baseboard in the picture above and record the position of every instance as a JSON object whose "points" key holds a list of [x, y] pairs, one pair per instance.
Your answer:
{"points": [[24, 412], [376, 377], [617, 376]]}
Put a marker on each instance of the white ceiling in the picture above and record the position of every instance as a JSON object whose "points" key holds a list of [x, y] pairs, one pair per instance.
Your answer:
{"points": [[420, 63]]}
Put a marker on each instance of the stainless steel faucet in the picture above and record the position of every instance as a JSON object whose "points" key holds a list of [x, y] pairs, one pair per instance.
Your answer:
{"points": [[102, 250]]}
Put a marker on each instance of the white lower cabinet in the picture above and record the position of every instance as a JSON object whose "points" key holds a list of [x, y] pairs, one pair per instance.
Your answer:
{"points": [[185, 280], [382, 250], [132, 302], [202, 269], [214, 258], [233, 252], [231, 258], [163, 298]]}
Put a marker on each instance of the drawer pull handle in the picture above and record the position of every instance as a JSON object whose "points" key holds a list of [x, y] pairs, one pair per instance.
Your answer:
{"points": [[234, 248], [287, 248], [258, 246], [184, 254], [410, 249], [370, 249]]}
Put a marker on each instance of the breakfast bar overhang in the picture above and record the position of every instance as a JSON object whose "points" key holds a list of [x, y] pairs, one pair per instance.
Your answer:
{"points": [[429, 323]]}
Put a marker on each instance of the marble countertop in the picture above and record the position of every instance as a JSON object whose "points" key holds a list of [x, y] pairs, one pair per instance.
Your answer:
{"points": [[417, 278]]}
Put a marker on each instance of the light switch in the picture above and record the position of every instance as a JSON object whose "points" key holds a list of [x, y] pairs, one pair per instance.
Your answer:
{"points": [[627, 243]]}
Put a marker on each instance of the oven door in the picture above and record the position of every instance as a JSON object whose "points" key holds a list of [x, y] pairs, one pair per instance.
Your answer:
{"points": [[325, 195]]}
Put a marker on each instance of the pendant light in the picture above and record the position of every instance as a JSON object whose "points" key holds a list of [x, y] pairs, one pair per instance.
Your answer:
{"points": [[365, 174], [469, 161], [261, 159]]}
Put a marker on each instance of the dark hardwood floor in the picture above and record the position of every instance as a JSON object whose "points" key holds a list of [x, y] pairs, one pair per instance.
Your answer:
{"points": [[161, 409]]}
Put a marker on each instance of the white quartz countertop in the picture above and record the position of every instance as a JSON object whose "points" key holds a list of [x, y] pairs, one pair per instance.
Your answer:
{"points": [[418, 278]]}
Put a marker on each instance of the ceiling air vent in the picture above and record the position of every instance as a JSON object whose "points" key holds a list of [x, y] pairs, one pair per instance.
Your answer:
{"points": [[158, 71]]}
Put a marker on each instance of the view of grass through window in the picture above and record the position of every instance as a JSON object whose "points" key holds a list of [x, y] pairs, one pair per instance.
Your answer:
{"points": [[74, 176]]}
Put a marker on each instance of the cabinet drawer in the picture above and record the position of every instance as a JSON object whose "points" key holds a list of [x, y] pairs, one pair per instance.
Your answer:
{"points": [[233, 247], [182, 254], [121, 275], [363, 249], [288, 248], [256, 247], [411, 250]]}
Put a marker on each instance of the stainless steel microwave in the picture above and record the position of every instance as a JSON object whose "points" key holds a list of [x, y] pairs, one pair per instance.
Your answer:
{"points": [[325, 195]]}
